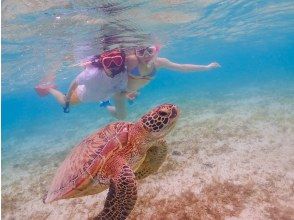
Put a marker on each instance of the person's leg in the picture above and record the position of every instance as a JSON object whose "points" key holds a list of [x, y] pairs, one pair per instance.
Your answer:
{"points": [[59, 96], [119, 110]]}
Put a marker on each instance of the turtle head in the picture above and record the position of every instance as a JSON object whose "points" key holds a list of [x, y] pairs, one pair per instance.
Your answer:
{"points": [[160, 120]]}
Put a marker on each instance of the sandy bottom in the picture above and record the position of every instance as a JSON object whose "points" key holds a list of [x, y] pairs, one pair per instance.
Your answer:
{"points": [[229, 159]]}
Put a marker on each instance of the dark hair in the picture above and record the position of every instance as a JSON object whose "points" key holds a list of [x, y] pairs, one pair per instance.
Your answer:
{"points": [[96, 60]]}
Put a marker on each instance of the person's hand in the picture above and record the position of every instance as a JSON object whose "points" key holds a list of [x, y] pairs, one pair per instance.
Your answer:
{"points": [[131, 95], [213, 65]]}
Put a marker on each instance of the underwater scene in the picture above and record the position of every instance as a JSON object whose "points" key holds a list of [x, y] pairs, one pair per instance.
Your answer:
{"points": [[223, 148]]}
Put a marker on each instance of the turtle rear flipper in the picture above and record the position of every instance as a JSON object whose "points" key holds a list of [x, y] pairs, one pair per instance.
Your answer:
{"points": [[153, 160], [122, 194]]}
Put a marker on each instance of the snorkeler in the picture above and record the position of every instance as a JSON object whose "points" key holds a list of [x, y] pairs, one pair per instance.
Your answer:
{"points": [[142, 66], [104, 77]]}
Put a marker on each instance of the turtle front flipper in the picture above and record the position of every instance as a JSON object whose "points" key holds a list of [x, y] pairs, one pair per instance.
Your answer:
{"points": [[153, 160], [122, 194]]}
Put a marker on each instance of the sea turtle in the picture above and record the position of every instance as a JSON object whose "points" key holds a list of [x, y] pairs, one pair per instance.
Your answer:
{"points": [[115, 157]]}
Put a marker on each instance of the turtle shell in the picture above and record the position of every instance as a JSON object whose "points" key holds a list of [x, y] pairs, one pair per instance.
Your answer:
{"points": [[81, 172]]}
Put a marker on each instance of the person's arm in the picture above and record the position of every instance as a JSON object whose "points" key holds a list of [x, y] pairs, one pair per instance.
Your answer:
{"points": [[67, 98], [165, 63], [72, 88]]}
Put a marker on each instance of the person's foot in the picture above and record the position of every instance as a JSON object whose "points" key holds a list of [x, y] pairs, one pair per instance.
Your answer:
{"points": [[105, 103], [43, 88]]}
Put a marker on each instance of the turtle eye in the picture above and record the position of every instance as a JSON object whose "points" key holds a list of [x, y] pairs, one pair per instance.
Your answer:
{"points": [[162, 113]]}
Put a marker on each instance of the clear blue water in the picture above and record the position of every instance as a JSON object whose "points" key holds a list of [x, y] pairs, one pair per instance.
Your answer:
{"points": [[253, 42]]}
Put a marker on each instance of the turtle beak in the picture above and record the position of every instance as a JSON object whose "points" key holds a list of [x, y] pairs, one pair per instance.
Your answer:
{"points": [[174, 113]]}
